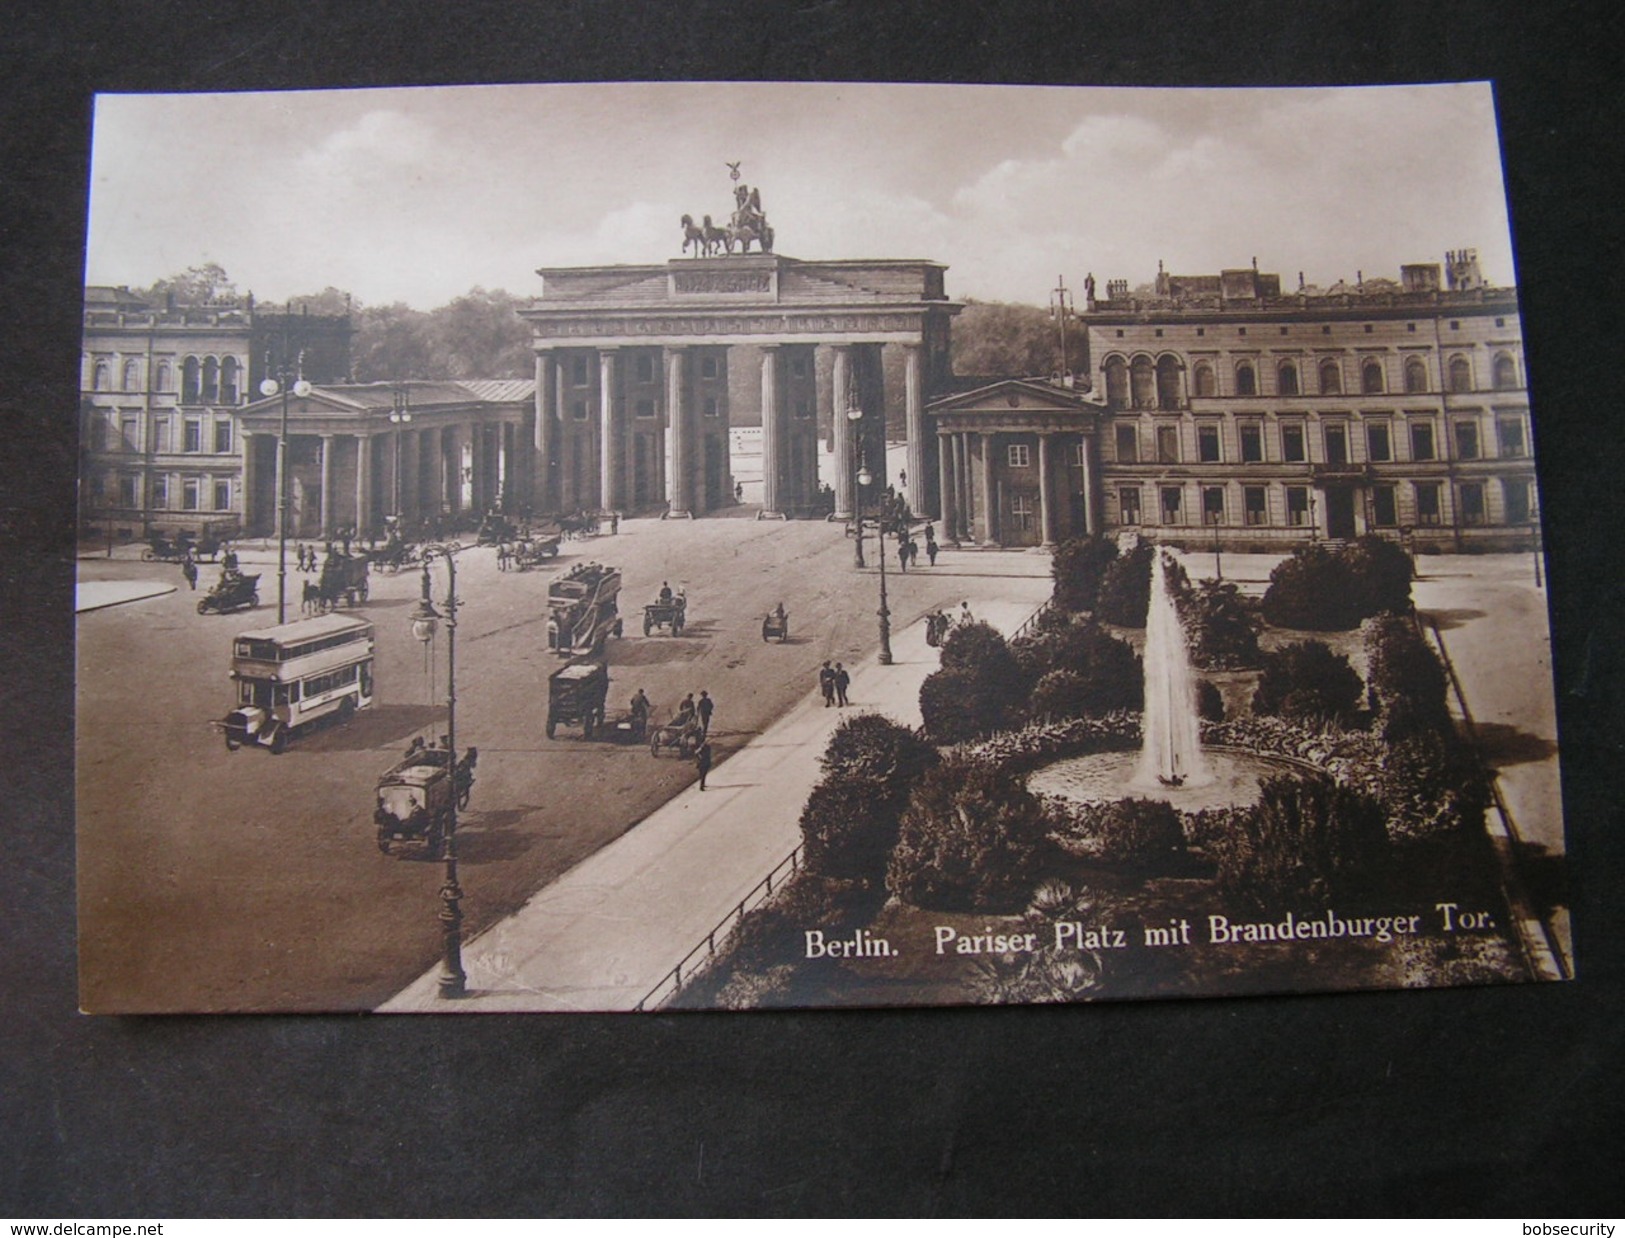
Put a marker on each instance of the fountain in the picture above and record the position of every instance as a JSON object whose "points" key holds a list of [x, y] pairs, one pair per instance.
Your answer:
{"points": [[1171, 746]]}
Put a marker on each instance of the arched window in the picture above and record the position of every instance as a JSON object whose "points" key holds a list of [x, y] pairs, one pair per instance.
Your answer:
{"points": [[211, 381], [1506, 372], [131, 380], [163, 380], [1287, 379], [1142, 383], [191, 380], [1416, 376], [1331, 378], [1461, 374], [1205, 385], [1170, 387], [1246, 379], [229, 384], [102, 377], [1116, 383], [1371, 382]]}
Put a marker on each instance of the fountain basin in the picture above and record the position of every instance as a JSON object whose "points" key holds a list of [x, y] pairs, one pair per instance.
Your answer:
{"points": [[1233, 779]]}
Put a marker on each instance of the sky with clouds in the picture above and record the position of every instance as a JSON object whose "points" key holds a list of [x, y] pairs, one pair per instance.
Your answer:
{"points": [[417, 195]]}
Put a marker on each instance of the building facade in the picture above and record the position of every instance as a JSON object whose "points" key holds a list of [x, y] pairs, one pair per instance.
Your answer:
{"points": [[669, 387], [1224, 412], [160, 393]]}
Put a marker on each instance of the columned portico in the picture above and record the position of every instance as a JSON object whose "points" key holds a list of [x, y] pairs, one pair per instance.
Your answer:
{"points": [[543, 433], [841, 399], [678, 432], [914, 423], [328, 524], [772, 443], [990, 503], [1046, 498], [608, 431]]}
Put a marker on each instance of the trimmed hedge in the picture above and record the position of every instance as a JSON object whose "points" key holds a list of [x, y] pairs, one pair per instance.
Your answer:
{"points": [[1320, 589], [1307, 680], [849, 823], [1078, 567]]}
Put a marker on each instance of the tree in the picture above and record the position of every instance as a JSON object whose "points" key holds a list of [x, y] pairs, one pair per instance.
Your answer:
{"points": [[850, 821], [479, 335], [1079, 566], [1001, 339], [1306, 680], [393, 343], [1125, 591], [1220, 627], [197, 285], [1101, 673], [331, 301], [978, 688]]}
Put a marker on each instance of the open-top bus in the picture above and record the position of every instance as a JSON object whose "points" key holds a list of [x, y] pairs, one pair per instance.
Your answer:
{"points": [[290, 675]]}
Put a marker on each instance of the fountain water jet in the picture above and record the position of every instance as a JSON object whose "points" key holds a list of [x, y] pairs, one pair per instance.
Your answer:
{"points": [[1171, 749]]}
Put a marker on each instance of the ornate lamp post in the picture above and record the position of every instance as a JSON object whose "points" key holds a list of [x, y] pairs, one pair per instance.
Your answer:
{"points": [[864, 478], [1061, 307], [288, 379], [425, 619], [400, 415]]}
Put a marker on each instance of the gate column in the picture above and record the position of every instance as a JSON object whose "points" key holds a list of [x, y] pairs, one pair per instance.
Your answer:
{"points": [[772, 442], [840, 397], [608, 498], [678, 506]]}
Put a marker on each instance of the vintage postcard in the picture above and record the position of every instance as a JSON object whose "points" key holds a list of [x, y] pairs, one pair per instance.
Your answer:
{"points": [[653, 547]]}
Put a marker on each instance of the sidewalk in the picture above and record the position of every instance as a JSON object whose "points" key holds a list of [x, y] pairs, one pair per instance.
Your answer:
{"points": [[607, 931]]}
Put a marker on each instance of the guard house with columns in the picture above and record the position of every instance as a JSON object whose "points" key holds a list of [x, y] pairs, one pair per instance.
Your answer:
{"points": [[1017, 464], [655, 383], [425, 451]]}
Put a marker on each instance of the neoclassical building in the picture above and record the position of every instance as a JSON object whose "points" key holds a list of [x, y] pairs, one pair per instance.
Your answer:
{"points": [[665, 387], [1224, 410], [160, 391]]}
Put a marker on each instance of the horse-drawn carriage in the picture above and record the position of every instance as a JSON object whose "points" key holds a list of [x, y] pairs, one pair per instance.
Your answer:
{"points": [[529, 552], [233, 591], [161, 549], [414, 797], [344, 577], [776, 625], [683, 734], [393, 555], [494, 529], [669, 613]]}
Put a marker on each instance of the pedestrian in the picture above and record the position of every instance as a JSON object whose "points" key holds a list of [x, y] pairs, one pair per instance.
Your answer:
{"points": [[931, 547], [842, 681], [228, 562], [640, 711], [685, 711], [703, 707], [614, 523], [502, 556], [702, 759], [913, 552], [902, 555], [965, 616], [826, 685], [189, 570]]}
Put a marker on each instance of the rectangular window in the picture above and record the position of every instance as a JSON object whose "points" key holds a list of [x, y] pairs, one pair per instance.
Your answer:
{"points": [[160, 434], [1377, 445], [646, 408], [222, 494], [804, 408], [1212, 504], [1167, 444], [708, 367], [1252, 444], [194, 435], [1207, 444], [190, 497], [1421, 440], [1472, 502], [1516, 496], [1427, 502], [1297, 505], [222, 437], [1020, 456], [1337, 444], [1384, 511], [1509, 430], [798, 367], [1466, 440], [1292, 444], [127, 492], [645, 368], [1075, 455], [578, 371], [1128, 444], [1170, 505], [1021, 511], [160, 491], [1253, 502], [1128, 500], [578, 410], [129, 434], [711, 408]]}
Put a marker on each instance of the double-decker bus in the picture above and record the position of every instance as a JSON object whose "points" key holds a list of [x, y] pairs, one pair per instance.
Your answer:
{"points": [[290, 675]]}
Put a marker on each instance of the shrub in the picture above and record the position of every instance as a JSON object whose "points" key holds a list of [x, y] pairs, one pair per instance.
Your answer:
{"points": [[1079, 566], [1209, 701], [877, 750], [849, 823], [978, 689], [1125, 590], [1140, 833], [972, 839], [1431, 784], [1220, 626], [1306, 680], [977, 647], [1311, 591], [1381, 572], [1408, 688], [1060, 694], [1306, 840], [1106, 671]]}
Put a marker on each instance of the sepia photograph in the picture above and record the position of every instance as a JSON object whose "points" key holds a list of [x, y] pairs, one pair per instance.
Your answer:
{"points": [[693, 546]]}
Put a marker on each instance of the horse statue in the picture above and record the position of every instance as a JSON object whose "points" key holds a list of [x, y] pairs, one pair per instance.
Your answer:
{"points": [[745, 230], [693, 235]]}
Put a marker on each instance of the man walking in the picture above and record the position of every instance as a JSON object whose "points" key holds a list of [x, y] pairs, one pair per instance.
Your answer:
{"points": [[826, 685], [842, 680], [705, 705], [189, 570], [702, 759], [930, 546]]}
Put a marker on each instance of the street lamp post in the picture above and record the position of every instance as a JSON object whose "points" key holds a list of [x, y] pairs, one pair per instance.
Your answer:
{"points": [[453, 980], [400, 415], [289, 380], [864, 478], [1218, 565], [1060, 308], [854, 416]]}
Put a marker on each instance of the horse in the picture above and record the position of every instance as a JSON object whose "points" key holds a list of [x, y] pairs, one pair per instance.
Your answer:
{"points": [[313, 602], [694, 235], [744, 234]]}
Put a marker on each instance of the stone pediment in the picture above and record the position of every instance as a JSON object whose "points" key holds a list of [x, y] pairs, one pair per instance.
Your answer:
{"points": [[1015, 395]]}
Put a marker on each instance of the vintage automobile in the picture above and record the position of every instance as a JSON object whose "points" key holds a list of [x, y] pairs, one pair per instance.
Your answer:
{"points": [[666, 614], [776, 625], [529, 552], [161, 550], [414, 797], [682, 735], [576, 696], [233, 591]]}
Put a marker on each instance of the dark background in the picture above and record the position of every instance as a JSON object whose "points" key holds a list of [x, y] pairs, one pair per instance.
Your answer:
{"points": [[1473, 1102]]}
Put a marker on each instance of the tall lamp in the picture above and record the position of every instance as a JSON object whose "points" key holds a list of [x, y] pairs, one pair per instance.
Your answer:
{"points": [[400, 415], [289, 380], [864, 478], [854, 417], [425, 619]]}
